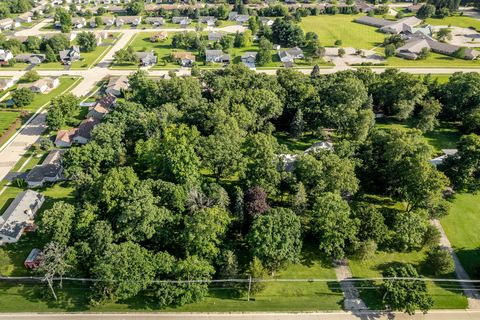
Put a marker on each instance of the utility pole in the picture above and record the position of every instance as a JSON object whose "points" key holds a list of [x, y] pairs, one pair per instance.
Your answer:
{"points": [[249, 287]]}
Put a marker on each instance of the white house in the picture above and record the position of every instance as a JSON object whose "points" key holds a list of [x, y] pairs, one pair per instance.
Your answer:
{"points": [[6, 83], [5, 56], [19, 215], [44, 85]]}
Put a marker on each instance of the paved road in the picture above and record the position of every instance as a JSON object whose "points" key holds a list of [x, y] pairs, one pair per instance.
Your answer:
{"points": [[434, 315]]}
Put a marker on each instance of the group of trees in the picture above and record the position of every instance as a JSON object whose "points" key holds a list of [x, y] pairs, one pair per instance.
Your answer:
{"points": [[50, 46], [61, 109], [14, 6], [187, 175]]}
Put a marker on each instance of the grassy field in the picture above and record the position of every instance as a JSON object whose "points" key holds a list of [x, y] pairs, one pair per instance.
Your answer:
{"points": [[277, 296], [87, 58], [444, 298], [445, 136], [66, 83], [341, 27], [463, 231], [6, 120], [433, 60], [455, 21]]}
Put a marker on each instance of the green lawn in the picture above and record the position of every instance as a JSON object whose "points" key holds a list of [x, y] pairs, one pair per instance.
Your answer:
{"points": [[87, 58], [7, 118], [66, 83], [463, 231], [433, 60], [445, 295], [455, 21], [278, 296], [445, 136], [330, 28]]}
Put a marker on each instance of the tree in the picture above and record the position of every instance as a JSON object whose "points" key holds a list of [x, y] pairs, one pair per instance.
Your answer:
{"points": [[315, 71], [440, 261], [50, 55], [31, 76], [426, 11], [65, 19], [125, 56], [371, 223], [255, 201], [6, 265], [427, 116], [33, 44], [261, 168], [424, 53], [444, 34], [61, 109], [204, 230], [341, 52], [264, 55], [123, 271], [298, 124], [338, 42], [56, 223], [464, 168], [87, 41], [22, 97], [54, 264], [299, 200], [390, 50], [275, 238], [405, 295], [333, 224], [136, 7], [410, 229], [221, 151], [257, 272]]}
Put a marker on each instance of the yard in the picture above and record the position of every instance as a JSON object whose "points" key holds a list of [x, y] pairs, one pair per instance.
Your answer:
{"points": [[445, 295], [278, 296], [463, 231], [330, 28], [456, 20], [7, 118], [87, 60], [434, 60]]}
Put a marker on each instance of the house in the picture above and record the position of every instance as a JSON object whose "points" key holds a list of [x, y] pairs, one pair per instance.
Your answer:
{"points": [[147, 58], [155, 21], [24, 17], [30, 58], [79, 22], [185, 59], [317, 146], [6, 83], [34, 259], [388, 26], [101, 107], [5, 56], [99, 37], [133, 20], [115, 9], [51, 170], [414, 8], [70, 36], [64, 138], [417, 42], [232, 15], [42, 85], [289, 55], [160, 36], [70, 55], [182, 21], [216, 56], [208, 20], [83, 133], [248, 59], [266, 21], [116, 85], [8, 24], [19, 215], [215, 36], [446, 153], [108, 21], [287, 161]]}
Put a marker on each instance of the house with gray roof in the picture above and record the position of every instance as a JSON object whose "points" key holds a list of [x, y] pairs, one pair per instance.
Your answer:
{"points": [[217, 56], [84, 131], [31, 58], [51, 170], [289, 55], [116, 85], [133, 20], [70, 55], [182, 21], [19, 215], [147, 59], [248, 59], [389, 26], [215, 36], [208, 20], [155, 21]]}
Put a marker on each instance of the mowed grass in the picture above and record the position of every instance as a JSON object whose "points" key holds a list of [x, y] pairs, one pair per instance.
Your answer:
{"points": [[277, 296], [445, 295], [330, 28], [66, 83], [7, 118], [455, 21], [432, 61], [463, 231]]}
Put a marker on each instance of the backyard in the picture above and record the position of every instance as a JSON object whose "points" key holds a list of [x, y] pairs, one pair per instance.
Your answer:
{"points": [[7, 118]]}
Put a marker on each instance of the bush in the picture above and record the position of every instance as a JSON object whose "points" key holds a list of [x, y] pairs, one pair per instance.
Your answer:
{"points": [[366, 250], [31, 76], [22, 97], [440, 261], [338, 42], [431, 238]]}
